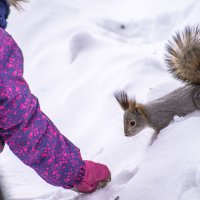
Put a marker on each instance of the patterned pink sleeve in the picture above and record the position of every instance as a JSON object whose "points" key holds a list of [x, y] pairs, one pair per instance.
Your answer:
{"points": [[28, 132]]}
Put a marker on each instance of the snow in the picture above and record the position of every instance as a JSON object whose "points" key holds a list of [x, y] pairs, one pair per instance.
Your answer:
{"points": [[77, 54]]}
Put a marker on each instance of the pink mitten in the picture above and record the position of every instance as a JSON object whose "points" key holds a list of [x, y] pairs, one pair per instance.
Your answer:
{"points": [[96, 176]]}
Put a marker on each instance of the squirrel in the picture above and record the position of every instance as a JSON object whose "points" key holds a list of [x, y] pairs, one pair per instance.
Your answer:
{"points": [[183, 60]]}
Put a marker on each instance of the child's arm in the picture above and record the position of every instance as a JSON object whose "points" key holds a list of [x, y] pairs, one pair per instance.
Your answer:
{"points": [[27, 131]]}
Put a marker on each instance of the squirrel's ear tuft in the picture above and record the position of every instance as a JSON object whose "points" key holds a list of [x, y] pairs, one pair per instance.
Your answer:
{"points": [[132, 105], [122, 98]]}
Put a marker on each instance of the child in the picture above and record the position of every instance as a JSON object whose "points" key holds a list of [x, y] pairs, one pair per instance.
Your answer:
{"points": [[29, 133]]}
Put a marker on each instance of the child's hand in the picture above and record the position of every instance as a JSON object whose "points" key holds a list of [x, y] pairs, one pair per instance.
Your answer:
{"points": [[96, 176]]}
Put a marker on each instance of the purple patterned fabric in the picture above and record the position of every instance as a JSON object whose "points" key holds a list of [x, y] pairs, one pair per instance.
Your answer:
{"points": [[26, 130], [4, 12]]}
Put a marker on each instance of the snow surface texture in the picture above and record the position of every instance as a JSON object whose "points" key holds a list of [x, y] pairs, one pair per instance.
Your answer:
{"points": [[77, 54]]}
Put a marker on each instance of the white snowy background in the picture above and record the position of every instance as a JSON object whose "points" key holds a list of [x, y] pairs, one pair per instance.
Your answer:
{"points": [[77, 54]]}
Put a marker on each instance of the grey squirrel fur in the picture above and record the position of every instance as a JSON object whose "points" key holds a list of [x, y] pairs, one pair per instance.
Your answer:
{"points": [[183, 60], [180, 102]]}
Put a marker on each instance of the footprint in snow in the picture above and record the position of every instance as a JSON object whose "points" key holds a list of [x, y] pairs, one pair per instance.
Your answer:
{"points": [[124, 176], [190, 184], [80, 42], [148, 30]]}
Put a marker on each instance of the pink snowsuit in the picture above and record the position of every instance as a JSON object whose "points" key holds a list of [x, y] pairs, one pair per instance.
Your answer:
{"points": [[31, 135], [26, 130]]}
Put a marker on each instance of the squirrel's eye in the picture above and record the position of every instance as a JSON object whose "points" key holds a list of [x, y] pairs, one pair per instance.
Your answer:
{"points": [[132, 123]]}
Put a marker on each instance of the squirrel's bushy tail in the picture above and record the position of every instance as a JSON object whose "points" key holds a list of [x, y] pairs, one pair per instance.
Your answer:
{"points": [[183, 55], [15, 3]]}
